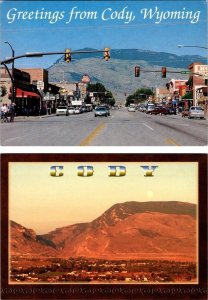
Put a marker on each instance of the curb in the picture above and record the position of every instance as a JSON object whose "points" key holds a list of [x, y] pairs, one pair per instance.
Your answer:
{"points": [[47, 116], [33, 117]]}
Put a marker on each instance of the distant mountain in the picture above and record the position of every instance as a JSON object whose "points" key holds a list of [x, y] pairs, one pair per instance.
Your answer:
{"points": [[151, 57], [137, 230], [118, 73], [25, 241]]}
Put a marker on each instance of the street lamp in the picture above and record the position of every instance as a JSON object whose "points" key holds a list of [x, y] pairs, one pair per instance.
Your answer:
{"points": [[183, 46], [12, 70]]}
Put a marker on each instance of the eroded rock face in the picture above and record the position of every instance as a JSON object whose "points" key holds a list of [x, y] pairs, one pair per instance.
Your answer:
{"points": [[130, 230]]}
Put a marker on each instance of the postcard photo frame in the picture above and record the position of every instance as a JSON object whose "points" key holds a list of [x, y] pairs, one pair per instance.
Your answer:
{"points": [[20, 282]]}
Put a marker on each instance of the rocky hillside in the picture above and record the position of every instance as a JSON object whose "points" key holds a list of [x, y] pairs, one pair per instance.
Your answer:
{"points": [[137, 230], [117, 74]]}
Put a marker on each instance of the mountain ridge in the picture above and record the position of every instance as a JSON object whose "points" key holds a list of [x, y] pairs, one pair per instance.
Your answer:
{"points": [[117, 74], [131, 229], [141, 54]]}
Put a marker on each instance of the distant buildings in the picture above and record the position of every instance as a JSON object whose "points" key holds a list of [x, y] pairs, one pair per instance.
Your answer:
{"points": [[161, 94], [197, 83], [34, 95], [192, 91]]}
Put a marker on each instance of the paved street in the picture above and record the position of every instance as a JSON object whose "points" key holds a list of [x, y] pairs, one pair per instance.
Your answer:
{"points": [[122, 128]]}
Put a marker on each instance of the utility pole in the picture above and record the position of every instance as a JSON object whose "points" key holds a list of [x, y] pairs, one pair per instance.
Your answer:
{"points": [[13, 89]]}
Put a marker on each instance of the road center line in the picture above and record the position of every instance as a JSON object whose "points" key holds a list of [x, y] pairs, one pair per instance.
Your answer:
{"points": [[92, 135], [147, 126], [171, 142]]}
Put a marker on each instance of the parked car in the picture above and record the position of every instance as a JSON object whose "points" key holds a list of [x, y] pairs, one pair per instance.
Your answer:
{"points": [[171, 111], [84, 108], [78, 110], [62, 110], [101, 111], [196, 112], [89, 107], [71, 110], [159, 110], [185, 113], [150, 109], [143, 109]]}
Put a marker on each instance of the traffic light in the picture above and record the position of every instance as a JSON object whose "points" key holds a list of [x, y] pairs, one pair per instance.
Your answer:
{"points": [[68, 55], [106, 54], [163, 72], [137, 71]]}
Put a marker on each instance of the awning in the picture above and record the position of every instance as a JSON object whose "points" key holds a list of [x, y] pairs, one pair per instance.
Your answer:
{"points": [[25, 94]]}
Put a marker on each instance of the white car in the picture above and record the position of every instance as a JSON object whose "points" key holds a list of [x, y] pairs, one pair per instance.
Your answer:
{"points": [[196, 112], [77, 110], [131, 108], [62, 110], [71, 110]]}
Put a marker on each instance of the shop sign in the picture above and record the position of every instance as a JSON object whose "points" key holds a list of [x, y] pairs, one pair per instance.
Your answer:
{"points": [[201, 69]]}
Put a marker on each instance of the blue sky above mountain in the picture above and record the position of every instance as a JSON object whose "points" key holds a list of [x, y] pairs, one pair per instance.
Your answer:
{"points": [[42, 35], [151, 57]]}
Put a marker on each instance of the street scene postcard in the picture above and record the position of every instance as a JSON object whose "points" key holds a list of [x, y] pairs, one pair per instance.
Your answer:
{"points": [[104, 73], [88, 223]]}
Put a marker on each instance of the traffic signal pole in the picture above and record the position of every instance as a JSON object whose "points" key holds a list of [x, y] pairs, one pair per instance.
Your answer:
{"points": [[67, 54], [176, 72], [40, 54]]}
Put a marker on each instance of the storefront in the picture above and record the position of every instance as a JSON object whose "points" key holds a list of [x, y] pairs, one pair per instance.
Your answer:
{"points": [[204, 103], [27, 102], [202, 98]]}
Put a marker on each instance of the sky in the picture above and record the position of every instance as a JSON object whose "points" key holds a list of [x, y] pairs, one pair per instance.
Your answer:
{"points": [[51, 34], [43, 203]]}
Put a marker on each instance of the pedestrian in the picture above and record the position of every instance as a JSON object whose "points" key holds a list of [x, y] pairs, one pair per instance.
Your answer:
{"points": [[12, 112], [4, 112]]}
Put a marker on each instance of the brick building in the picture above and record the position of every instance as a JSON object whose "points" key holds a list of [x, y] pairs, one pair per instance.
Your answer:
{"points": [[198, 84], [6, 82], [161, 94], [38, 75], [33, 92]]}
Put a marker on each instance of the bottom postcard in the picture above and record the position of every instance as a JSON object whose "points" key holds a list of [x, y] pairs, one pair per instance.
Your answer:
{"points": [[104, 226]]}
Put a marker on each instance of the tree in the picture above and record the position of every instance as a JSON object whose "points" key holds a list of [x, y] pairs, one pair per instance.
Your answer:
{"points": [[111, 102], [101, 93], [96, 87], [139, 96], [3, 90], [188, 95]]}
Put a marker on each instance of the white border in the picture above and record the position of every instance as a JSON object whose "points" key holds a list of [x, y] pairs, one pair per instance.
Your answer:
{"points": [[104, 149]]}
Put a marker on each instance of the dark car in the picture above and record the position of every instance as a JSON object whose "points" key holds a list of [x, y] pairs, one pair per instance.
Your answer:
{"points": [[171, 111], [101, 111], [107, 108], [185, 113], [159, 110]]}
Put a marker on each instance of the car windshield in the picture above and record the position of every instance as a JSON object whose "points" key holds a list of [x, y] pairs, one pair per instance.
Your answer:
{"points": [[101, 108], [61, 107], [71, 107], [196, 108]]}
